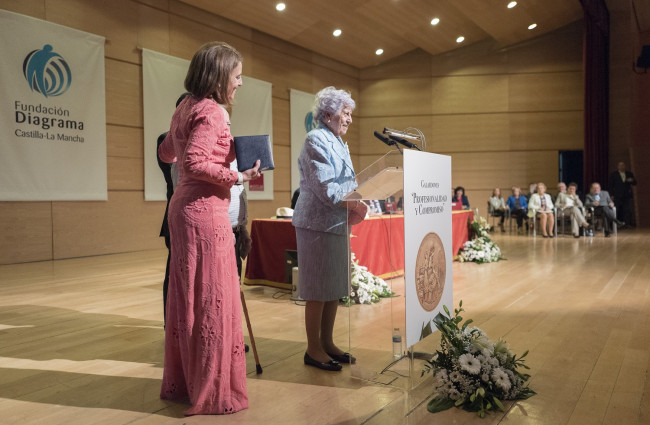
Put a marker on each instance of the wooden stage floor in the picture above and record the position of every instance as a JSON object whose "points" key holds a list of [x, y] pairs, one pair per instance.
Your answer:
{"points": [[81, 341]]}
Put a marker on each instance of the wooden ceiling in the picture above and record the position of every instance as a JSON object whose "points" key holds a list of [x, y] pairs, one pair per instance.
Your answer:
{"points": [[396, 26]]}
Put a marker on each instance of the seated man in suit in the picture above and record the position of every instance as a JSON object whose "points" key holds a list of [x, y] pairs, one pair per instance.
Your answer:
{"points": [[603, 206]]}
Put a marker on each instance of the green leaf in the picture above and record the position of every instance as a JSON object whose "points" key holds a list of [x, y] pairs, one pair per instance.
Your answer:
{"points": [[498, 403], [446, 309], [460, 401], [439, 404]]}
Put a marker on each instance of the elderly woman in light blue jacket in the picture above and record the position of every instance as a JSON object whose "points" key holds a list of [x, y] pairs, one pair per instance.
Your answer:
{"points": [[321, 220]]}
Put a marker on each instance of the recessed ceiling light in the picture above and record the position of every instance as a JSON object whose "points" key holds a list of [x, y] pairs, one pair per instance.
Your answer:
{"points": [[532, 26], [337, 32], [280, 7], [512, 4], [460, 39], [435, 21], [379, 51]]}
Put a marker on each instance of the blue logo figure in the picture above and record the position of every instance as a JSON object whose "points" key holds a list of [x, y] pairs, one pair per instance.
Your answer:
{"points": [[47, 72], [310, 123]]}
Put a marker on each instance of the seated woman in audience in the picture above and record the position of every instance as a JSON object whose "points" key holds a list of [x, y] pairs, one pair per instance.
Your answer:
{"points": [[570, 204], [518, 205], [541, 204], [497, 207], [561, 189], [459, 197]]}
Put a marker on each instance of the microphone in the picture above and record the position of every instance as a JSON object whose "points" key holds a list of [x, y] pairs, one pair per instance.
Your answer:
{"points": [[404, 142], [384, 139], [402, 134]]}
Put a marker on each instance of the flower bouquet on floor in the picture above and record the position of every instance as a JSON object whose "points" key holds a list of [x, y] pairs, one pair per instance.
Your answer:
{"points": [[366, 287], [471, 371], [481, 249]]}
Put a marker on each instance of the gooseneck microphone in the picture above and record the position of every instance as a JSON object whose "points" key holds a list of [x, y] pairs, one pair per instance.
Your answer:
{"points": [[384, 139], [404, 142], [387, 141]]}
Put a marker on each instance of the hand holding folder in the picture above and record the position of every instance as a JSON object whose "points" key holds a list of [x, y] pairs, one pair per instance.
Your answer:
{"points": [[249, 149]]}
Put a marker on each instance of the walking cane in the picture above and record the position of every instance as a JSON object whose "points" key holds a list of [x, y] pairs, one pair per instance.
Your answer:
{"points": [[258, 368]]}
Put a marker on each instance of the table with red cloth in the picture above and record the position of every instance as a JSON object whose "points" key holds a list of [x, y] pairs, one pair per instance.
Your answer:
{"points": [[377, 243]]}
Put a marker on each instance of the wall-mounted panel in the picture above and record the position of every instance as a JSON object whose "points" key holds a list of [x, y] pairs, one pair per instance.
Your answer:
{"points": [[123, 223], [26, 229], [554, 91], [469, 94]]}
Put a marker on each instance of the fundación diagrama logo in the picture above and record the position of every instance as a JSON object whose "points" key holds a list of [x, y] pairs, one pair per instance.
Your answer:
{"points": [[47, 72]]}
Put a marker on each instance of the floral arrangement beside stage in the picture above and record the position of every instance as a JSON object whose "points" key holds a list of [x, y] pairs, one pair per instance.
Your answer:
{"points": [[366, 287], [471, 371], [481, 249]]}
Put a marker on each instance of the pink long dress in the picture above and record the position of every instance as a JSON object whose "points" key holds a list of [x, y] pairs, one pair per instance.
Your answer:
{"points": [[204, 344]]}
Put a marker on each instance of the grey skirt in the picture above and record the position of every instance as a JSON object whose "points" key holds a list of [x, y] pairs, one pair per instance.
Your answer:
{"points": [[323, 265]]}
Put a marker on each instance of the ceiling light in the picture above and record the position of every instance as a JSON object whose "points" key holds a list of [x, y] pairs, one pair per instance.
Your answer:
{"points": [[379, 52], [336, 32], [512, 4], [280, 7], [460, 39], [435, 21], [532, 26]]}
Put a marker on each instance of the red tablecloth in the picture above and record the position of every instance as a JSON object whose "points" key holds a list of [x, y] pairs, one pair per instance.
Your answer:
{"points": [[377, 243]]}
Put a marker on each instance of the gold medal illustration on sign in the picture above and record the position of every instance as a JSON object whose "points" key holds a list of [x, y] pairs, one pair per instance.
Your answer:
{"points": [[430, 271]]}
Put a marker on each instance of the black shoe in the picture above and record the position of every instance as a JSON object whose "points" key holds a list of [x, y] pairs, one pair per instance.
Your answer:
{"points": [[546, 236], [343, 358], [246, 348], [619, 223], [608, 235], [332, 365]]}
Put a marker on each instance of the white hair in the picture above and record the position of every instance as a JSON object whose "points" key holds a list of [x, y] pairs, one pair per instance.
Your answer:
{"points": [[331, 101]]}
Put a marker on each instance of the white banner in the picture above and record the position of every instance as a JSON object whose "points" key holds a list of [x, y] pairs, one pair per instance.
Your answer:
{"points": [[427, 240], [162, 85], [302, 122], [52, 112]]}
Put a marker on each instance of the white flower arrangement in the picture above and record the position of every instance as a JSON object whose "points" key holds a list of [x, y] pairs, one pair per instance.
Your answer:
{"points": [[481, 249], [366, 287], [472, 372]]}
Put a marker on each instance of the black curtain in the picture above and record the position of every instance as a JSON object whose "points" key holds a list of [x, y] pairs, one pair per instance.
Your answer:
{"points": [[595, 61]]}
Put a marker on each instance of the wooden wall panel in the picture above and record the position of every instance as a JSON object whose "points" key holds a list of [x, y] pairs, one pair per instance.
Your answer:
{"points": [[201, 17], [482, 58], [116, 20], [283, 71], [470, 132], [153, 29], [34, 8], [123, 93], [547, 130], [186, 36], [123, 223], [559, 51], [561, 91], [415, 64], [26, 229], [125, 173], [124, 141], [469, 94], [400, 96], [487, 170]]}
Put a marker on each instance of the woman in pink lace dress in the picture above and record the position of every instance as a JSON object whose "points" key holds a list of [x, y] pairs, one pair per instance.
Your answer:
{"points": [[204, 343]]}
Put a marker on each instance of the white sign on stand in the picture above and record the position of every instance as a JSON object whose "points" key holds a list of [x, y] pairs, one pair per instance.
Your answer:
{"points": [[427, 241]]}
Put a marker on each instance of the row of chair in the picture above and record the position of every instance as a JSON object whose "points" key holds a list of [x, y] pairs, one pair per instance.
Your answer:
{"points": [[561, 219]]}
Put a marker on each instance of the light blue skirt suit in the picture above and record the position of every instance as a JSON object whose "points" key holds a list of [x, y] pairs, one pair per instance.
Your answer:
{"points": [[320, 219]]}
